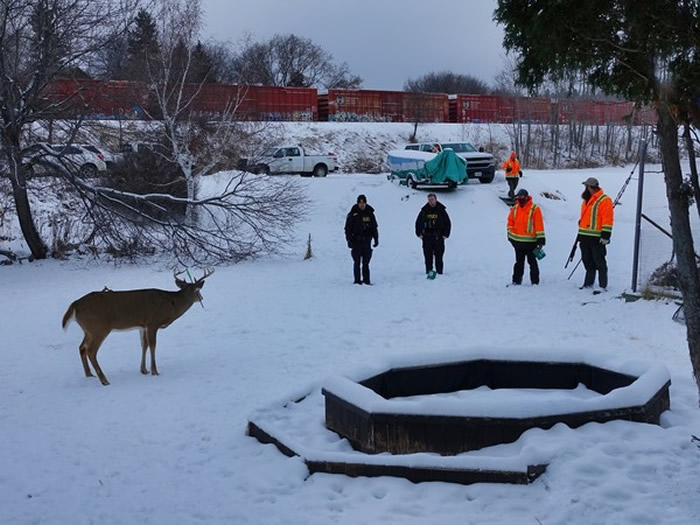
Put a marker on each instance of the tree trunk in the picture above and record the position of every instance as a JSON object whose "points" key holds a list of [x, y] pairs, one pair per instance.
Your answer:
{"points": [[21, 199], [680, 226], [693, 168], [24, 215]]}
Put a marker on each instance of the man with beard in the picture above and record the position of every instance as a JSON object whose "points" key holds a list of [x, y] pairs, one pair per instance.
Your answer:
{"points": [[594, 231], [433, 227], [360, 228]]}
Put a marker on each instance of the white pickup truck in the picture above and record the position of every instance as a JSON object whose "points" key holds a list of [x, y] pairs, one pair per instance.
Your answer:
{"points": [[480, 165], [293, 159]]}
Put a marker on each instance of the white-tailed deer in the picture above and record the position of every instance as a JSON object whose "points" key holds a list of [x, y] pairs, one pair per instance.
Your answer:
{"points": [[98, 313]]}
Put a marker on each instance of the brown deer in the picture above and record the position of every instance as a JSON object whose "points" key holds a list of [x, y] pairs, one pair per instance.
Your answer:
{"points": [[98, 313]]}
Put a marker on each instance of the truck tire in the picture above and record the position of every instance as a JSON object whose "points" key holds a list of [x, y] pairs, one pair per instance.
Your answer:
{"points": [[488, 179], [410, 182], [264, 169], [320, 170], [88, 170]]}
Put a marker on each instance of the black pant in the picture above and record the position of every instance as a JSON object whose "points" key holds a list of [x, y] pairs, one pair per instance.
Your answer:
{"points": [[593, 257], [433, 247], [523, 250], [512, 184], [361, 254]]}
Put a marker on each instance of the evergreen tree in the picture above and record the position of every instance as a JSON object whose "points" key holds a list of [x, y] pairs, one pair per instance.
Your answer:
{"points": [[143, 46], [202, 68], [643, 50]]}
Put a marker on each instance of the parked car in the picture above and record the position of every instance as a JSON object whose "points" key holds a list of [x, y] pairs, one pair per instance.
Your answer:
{"points": [[292, 159], [103, 154], [480, 165], [88, 163], [129, 148]]}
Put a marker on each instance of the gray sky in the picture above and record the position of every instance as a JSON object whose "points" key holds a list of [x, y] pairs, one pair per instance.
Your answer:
{"points": [[383, 41]]}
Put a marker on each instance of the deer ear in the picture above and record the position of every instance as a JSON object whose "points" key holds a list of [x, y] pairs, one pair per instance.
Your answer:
{"points": [[180, 284], [200, 284]]}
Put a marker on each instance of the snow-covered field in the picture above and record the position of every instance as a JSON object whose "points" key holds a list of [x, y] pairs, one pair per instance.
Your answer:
{"points": [[173, 449]]}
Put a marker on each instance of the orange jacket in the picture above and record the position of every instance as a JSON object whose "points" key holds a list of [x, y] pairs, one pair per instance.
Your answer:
{"points": [[596, 216], [514, 164], [525, 223]]}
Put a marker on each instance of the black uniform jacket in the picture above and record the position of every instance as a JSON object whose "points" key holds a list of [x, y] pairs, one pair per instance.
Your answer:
{"points": [[433, 221], [361, 225]]}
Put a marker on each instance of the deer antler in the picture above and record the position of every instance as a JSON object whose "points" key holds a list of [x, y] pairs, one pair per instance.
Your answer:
{"points": [[176, 274], [207, 273]]}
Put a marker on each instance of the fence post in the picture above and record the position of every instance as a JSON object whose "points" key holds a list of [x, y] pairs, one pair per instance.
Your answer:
{"points": [[638, 216]]}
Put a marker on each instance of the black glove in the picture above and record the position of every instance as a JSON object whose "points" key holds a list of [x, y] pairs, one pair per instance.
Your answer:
{"points": [[349, 244], [509, 169], [540, 243], [376, 243], [520, 173]]}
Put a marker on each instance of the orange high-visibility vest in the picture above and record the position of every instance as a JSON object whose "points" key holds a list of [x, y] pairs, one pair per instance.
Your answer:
{"points": [[525, 223], [596, 216], [514, 168]]}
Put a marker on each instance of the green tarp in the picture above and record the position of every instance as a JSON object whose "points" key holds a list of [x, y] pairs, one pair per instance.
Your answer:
{"points": [[446, 166]]}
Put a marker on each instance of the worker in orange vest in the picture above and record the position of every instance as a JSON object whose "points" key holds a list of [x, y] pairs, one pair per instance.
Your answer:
{"points": [[594, 231], [513, 173], [526, 233]]}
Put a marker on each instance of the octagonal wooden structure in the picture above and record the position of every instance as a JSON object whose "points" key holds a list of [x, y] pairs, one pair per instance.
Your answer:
{"points": [[362, 411]]}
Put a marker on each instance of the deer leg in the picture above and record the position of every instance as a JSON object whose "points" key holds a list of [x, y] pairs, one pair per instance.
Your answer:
{"points": [[144, 346], [92, 349], [83, 356], [152, 346]]}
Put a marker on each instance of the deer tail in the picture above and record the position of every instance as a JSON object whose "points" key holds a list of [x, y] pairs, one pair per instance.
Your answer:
{"points": [[68, 316]]}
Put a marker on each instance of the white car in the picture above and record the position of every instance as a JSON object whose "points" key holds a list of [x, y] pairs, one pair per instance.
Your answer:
{"points": [[88, 163]]}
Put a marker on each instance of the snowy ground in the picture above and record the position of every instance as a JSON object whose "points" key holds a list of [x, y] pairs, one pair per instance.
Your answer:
{"points": [[172, 449]]}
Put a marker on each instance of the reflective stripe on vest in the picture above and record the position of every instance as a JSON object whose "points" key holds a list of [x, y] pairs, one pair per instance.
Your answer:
{"points": [[593, 230], [532, 235]]}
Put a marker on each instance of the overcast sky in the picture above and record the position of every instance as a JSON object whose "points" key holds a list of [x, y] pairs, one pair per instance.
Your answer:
{"points": [[383, 41]]}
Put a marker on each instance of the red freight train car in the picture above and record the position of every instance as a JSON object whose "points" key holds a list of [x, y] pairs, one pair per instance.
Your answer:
{"points": [[480, 108], [254, 102], [217, 100], [284, 103], [122, 99], [425, 107], [98, 99], [362, 105], [353, 105]]}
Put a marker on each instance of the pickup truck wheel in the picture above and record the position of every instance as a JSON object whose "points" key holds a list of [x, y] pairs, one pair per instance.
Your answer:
{"points": [[265, 170], [88, 170], [320, 170], [487, 180], [410, 182]]}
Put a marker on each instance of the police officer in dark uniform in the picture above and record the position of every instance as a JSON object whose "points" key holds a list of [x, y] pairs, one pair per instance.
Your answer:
{"points": [[360, 228], [433, 227]]}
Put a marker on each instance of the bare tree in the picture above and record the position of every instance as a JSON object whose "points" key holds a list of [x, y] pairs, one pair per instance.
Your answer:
{"points": [[447, 82], [40, 40], [290, 60], [243, 215]]}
